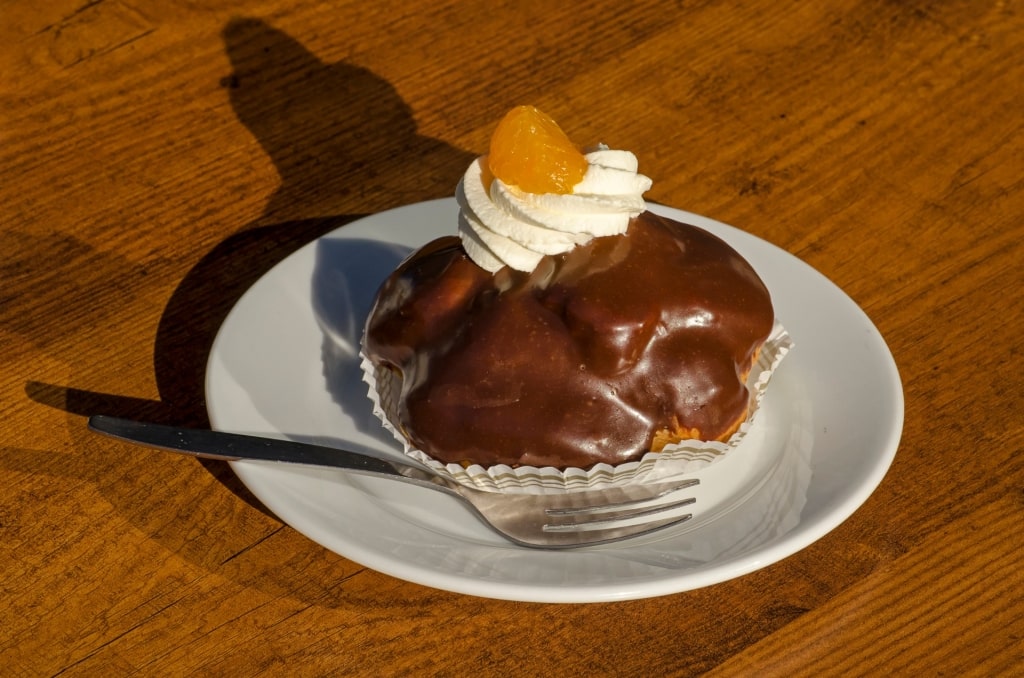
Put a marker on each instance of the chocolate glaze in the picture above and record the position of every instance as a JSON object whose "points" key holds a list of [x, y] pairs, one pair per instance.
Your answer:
{"points": [[580, 361]]}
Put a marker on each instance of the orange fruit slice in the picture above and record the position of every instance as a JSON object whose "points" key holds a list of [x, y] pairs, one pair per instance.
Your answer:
{"points": [[530, 150]]}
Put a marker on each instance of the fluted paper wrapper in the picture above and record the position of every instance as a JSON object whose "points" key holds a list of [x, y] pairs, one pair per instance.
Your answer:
{"points": [[685, 457]]}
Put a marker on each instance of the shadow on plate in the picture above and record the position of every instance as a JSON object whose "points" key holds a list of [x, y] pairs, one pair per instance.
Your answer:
{"points": [[346, 276]]}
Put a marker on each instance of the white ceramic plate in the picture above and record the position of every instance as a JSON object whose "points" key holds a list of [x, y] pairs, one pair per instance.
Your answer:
{"points": [[285, 364]]}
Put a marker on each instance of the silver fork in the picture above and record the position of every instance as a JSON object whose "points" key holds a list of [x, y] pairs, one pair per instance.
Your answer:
{"points": [[549, 521]]}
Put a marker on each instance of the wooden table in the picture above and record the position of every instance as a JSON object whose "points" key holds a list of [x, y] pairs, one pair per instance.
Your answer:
{"points": [[158, 158]]}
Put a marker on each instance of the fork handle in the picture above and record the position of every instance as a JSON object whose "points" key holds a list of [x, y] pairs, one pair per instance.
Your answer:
{"points": [[236, 446]]}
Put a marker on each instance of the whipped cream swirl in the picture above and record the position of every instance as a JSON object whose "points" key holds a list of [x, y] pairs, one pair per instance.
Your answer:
{"points": [[505, 226]]}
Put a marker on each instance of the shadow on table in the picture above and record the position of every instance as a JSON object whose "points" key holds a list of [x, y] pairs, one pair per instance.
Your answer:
{"points": [[341, 139], [344, 144]]}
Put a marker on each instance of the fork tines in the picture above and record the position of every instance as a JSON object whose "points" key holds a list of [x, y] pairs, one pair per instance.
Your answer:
{"points": [[617, 514]]}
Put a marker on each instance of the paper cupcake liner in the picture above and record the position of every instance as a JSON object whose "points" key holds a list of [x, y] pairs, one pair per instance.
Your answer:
{"points": [[685, 457]]}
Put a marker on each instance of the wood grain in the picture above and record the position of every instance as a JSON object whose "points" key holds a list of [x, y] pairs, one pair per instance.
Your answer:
{"points": [[158, 158], [930, 598]]}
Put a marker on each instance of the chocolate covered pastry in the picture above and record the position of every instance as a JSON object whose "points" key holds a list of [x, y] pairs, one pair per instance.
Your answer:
{"points": [[567, 329]]}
